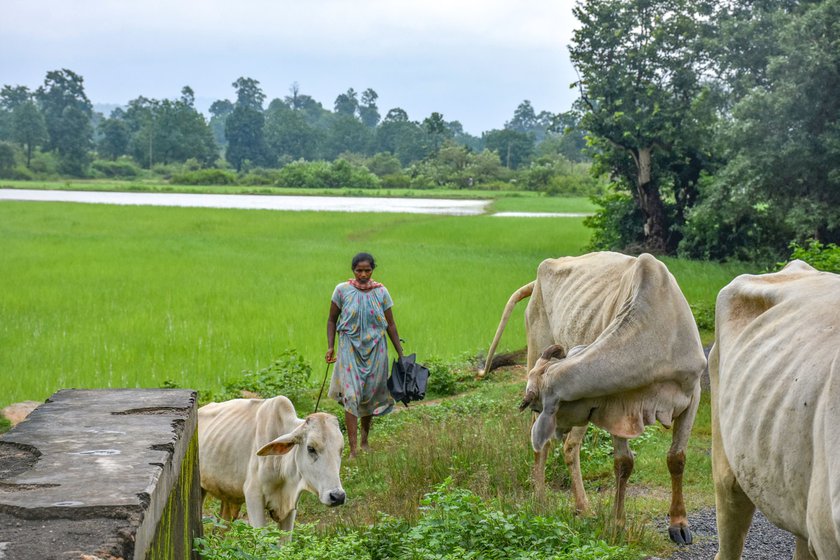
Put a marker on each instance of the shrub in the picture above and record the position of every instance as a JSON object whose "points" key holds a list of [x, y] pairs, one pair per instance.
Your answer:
{"points": [[204, 177], [822, 257], [120, 168], [617, 224], [287, 375], [259, 176], [442, 379]]}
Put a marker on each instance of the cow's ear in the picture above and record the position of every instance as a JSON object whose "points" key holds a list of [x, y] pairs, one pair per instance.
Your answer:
{"points": [[279, 446], [284, 443], [545, 427]]}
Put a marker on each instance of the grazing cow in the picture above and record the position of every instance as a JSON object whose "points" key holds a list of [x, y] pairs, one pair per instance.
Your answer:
{"points": [[259, 452], [775, 373], [612, 341]]}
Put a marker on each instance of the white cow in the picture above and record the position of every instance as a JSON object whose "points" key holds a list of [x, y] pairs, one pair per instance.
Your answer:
{"points": [[775, 373], [635, 357], [259, 452]]}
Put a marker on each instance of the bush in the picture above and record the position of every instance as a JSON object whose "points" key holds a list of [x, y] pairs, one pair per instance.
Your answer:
{"points": [[287, 375], [822, 257], [120, 168], [323, 175], [204, 177], [442, 379], [259, 177], [617, 224]]}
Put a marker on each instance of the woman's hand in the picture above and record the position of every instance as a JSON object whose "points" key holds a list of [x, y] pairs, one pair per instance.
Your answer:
{"points": [[330, 356]]}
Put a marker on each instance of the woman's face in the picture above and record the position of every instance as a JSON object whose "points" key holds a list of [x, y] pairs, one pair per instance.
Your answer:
{"points": [[363, 271]]}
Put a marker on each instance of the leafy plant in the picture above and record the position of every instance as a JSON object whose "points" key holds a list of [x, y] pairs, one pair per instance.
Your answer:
{"points": [[287, 375], [820, 256], [454, 523]]}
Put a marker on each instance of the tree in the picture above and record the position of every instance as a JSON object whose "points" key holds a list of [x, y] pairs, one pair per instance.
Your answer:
{"points": [[368, 111], [29, 129], [347, 134], [249, 95], [347, 104], [397, 135], [67, 113], [436, 132], [514, 148], [115, 137], [244, 127], [642, 68], [783, 143], [288, 136], [219, 111]]}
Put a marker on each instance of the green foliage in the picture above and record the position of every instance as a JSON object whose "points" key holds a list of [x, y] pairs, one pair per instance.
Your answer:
{"points": [[442, 378], [211, 176], [454, 524], [825, 257], [7, 159], [259, 176], [617, 225], [287, 375], [704, 316], [321, 174], [123, 168], [5, 425]]}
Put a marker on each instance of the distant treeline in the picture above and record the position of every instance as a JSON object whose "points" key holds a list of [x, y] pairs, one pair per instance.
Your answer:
{"points": [[293, 141]]}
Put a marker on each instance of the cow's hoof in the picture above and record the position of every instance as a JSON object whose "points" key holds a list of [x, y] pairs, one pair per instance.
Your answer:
{"points": [[680, 535]]}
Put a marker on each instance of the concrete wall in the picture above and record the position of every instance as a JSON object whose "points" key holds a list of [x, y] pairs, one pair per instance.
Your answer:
{"points": [[102, 474]]}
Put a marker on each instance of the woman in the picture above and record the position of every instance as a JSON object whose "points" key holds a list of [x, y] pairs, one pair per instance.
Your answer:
{"points": [[360, 312]]}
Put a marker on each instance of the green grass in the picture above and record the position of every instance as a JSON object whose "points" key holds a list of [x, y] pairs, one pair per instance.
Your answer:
{"points": [[109, 296]]}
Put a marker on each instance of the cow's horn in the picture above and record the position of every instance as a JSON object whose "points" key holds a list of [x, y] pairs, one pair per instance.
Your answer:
{"points": [[530, 395], [554, 351]]}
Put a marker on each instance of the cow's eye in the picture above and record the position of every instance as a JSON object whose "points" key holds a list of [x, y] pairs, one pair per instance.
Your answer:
{"points": [[311, 450]]}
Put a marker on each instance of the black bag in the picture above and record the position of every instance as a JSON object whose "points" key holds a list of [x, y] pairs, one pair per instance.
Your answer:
{"points": [[408, 380]]}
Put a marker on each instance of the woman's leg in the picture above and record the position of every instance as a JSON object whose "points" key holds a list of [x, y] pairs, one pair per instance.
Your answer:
{"points": [[367, 421], [350, 422]]}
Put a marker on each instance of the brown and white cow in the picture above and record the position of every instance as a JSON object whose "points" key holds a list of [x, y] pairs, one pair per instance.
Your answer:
{"points": [[258, 452], [612, 341], [775, 373]]}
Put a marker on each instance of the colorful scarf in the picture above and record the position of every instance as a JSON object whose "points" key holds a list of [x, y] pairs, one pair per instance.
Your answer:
{"points": [[364, 287]]}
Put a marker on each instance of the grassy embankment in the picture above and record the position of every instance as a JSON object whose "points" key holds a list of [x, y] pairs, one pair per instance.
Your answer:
{"points": [[98, 296]]}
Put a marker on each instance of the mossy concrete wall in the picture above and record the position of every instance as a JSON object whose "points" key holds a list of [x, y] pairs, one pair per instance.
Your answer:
{"points": [[102, 474]]}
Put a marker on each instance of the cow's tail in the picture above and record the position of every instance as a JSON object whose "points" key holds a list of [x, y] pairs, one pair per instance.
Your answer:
{"points": [[518, 295]]}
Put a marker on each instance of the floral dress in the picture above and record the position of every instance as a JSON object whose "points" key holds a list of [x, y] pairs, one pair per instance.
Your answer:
{"points": [[359, 381]]}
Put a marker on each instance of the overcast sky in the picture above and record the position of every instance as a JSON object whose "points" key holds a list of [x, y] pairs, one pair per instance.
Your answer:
{"points": [[471, 60]]}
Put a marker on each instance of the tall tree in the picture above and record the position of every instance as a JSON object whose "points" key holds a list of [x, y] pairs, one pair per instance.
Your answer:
{"points": [[67, 112], [514, 148], [347, 103], [436, 131], [29, 129], [642, 68], [219, 111], [244, 127], [116, 136], [368, 111]]}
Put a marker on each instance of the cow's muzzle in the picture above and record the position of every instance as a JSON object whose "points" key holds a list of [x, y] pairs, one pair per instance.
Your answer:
{"points": [[336, 498]]}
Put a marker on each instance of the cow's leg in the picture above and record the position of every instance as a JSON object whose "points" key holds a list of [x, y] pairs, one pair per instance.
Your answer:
{"points": [[734, 508], [287, 524], [678, 529], [255, 504], [571, 455], [230, 510], [802, 552], [538, 471], [623, 464]]}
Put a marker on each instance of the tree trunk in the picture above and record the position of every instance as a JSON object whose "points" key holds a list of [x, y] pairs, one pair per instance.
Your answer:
{"points": [[650, 203]]}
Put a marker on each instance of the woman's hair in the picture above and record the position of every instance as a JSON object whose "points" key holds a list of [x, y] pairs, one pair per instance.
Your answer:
{"points": [[363, 257]]}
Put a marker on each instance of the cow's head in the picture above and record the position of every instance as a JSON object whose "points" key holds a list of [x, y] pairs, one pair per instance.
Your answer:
{"points": [[317, 444], [540, 399]]}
